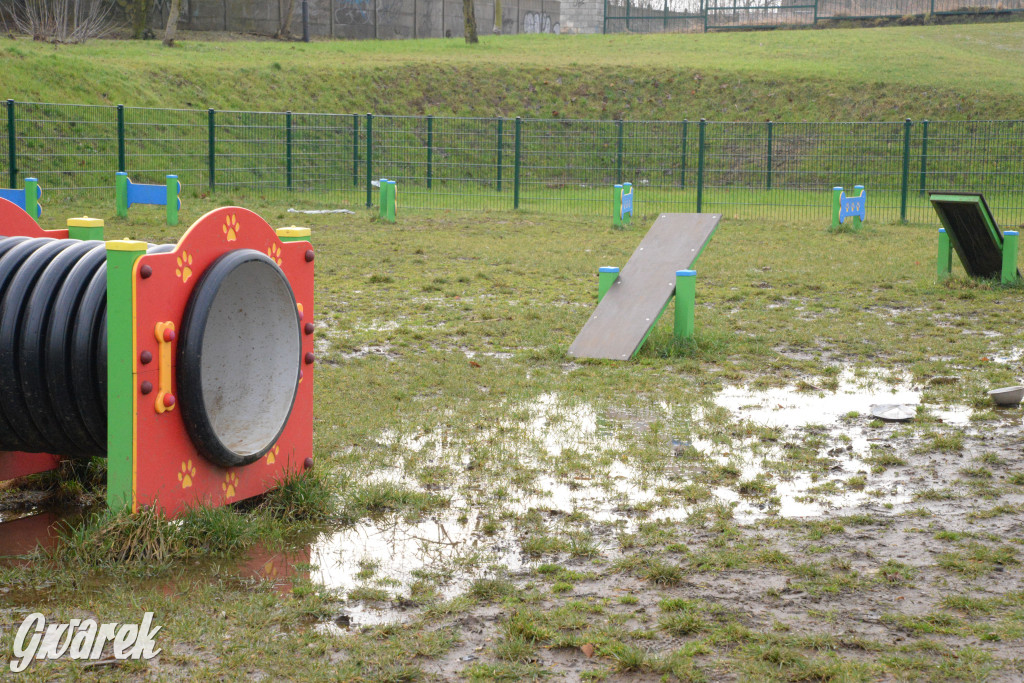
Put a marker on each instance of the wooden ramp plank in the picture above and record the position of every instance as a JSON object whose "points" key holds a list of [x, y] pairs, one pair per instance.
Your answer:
{"points": [[972, 231], [645, 284]]}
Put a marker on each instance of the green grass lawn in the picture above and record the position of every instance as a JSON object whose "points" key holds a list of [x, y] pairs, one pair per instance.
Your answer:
{"points": [[529, 508], [937, 72]]}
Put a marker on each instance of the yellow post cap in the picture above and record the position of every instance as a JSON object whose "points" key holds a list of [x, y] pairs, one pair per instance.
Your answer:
{"points": [[294, 231], [126, 245], [85, 222]]}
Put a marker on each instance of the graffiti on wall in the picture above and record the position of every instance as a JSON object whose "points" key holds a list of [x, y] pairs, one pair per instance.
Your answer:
{"points": [[539, 22]]}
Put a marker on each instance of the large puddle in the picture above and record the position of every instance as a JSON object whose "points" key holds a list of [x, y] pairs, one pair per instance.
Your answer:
{"points": [[750, 433]]}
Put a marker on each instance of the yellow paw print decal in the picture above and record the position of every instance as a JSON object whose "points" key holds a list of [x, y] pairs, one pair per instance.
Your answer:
{"points": [[184, 269], [272, 455], [231, 228], [229, 486], [274, 253], [187, 474]]}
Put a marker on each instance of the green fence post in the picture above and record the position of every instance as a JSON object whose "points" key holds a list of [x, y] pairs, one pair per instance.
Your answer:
{"points": [[173, 202], [665, 25], [931, 9], [519, 137], [288, 147], [924, 155], [815, 12], [355, 150], [120, 138], [945, 260], [12, 148], [682, 160], [32, 197], [211, 147], [905, 177], [369, 160], [700, 165], [768, 184], [606, 276], [704, 11], [627, 19], [430, 150], [618, 158], [1010, 240], [121, 193], [686, 294], [500, 122]]}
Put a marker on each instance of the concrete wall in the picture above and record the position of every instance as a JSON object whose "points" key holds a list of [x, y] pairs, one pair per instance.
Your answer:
{"points": [[368, 19], [582, 16]]}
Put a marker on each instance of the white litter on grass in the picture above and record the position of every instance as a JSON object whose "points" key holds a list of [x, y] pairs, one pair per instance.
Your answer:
{"points": [[321, 211]]}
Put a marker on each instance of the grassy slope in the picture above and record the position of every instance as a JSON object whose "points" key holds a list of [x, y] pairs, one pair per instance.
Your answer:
{"points": [[938, 72]]}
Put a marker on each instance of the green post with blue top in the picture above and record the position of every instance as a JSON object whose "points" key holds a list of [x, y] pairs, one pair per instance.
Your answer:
{"points": [[1010, 242], [686, 294], [606, 276], [945, 261]]}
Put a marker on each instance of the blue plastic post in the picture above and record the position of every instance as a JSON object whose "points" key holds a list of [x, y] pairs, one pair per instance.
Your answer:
{"points": [[606, 276], [858, 190], [686, 294]]}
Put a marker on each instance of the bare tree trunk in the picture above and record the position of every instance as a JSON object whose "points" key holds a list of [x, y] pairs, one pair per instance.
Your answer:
{"points": [[286, 21], [172, 23], [140, 14], [470, 17], [497, 17]]}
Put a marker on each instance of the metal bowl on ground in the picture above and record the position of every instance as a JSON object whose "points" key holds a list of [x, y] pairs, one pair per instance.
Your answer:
{"points": [[1007, 396]]}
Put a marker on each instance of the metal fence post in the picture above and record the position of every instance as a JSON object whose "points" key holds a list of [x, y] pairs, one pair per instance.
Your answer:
{"points": [[288, 147], [211, 146], [627, 20], [924, 155], [500, 123], [369, 160], [12, 147], [815, 12], [618, 158], [430, 150], [355, 150], [682, 160], [665, 22], [120, 139], [700, 166], [905, 176], [519, 137], [768, 183]]}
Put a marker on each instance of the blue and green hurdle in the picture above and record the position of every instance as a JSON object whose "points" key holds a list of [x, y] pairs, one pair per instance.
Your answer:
{"points": [[854, 206], [622, 205], [388, 200], [127, 193], [26, 198]]}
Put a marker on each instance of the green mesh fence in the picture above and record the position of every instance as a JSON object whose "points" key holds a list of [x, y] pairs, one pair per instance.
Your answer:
{"points": [[741, 169]]}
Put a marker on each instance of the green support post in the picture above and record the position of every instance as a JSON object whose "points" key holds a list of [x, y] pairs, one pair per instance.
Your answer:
{"points": [[121, 193], [519, 136], [85, 228], [815, 12], [606, 277], [173, 191], [924, 155], [12, 148], [388, 199], [32, 197], [768, 179], [682, 160], [1010, 241], [355, 150], [945, 260], [211, 147], [700, 166], [618, 162], [500, 122], [837, 193], [430, 150], [905, 177], [369, 160], [665, 24], [686, 294], [120, 138], [122, 371], [288, 148]]}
